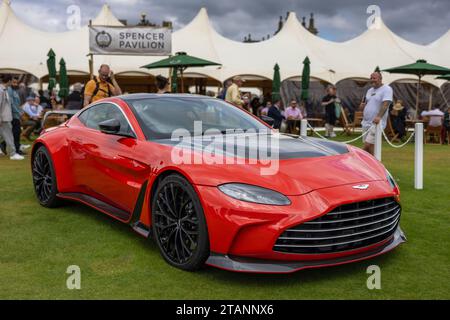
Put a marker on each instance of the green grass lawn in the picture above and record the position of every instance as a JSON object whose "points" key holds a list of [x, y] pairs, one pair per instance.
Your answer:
{"points": [[37, 245]]}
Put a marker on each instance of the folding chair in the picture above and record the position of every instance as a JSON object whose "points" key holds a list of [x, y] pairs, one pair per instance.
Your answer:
{"points": [[390, 132], [431, 133], [343, 120]]}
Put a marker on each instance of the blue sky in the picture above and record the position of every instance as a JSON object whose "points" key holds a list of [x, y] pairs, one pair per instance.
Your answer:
{"points": [[417, 21]]}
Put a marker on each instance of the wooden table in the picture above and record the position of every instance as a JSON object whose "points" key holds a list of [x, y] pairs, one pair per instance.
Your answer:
{"points": [[411, 123]]}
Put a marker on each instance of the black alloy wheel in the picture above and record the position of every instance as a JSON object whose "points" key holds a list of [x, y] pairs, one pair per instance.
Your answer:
{"points": [[44, 178], [179, 225]]}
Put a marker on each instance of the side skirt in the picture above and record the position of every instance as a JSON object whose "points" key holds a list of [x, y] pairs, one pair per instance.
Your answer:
{"points": [[133, 220], [97, 204]]}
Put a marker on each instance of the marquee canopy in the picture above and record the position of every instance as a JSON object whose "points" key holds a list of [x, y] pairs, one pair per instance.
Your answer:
{"points": [[330, 61]]}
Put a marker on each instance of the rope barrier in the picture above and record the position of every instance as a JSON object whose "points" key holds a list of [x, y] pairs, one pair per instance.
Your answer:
{"points": [[346, 142], [363, 134], [399, 145]]}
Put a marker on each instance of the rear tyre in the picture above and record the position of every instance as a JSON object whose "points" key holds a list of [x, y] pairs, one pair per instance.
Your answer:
{"points": [[44, 179], [179, 225]]}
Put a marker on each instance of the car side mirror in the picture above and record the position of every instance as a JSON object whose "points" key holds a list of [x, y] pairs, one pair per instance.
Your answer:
{"points": [[111, 126], [267, 120]]}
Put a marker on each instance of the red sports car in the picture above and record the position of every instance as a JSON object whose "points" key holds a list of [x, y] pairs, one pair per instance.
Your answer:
{"points": [[212, 184]]}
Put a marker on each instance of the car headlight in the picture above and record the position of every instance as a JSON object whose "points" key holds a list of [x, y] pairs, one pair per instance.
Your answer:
{"points": [[391, 179], [249, 193]]}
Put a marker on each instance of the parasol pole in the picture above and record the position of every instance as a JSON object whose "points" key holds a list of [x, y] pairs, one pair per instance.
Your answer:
{"points": [[417, 98], [182, 80], [430, 99]]}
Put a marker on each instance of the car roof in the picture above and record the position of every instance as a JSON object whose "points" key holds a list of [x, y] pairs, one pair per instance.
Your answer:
{"points": [[138, 96]]}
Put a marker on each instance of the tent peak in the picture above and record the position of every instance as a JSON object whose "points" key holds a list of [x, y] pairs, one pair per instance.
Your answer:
{"points": [[202, 15], [106, 17]]}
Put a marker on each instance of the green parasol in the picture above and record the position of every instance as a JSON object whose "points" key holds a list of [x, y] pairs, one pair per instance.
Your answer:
{"points": [[420, 68], [444, 77], [180, 61], [51, 66], [63, 80], [276, 83], [305, 79]]}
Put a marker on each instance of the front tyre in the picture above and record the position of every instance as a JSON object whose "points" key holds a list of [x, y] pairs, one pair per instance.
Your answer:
{"points": [[44, 179], [179, 225]]}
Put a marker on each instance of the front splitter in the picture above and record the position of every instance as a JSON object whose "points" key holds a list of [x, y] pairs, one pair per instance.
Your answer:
{"points": [[242, 264]]}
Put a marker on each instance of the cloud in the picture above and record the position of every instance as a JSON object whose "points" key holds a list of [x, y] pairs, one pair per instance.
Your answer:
{"points": [[417, 21]]}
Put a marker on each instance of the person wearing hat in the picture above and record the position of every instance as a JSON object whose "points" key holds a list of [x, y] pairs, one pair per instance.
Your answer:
{"points": [[233, 94], [398, 118]]}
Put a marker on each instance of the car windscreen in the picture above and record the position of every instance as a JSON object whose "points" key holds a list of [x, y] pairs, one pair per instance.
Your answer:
{"points": [[159, 118]]}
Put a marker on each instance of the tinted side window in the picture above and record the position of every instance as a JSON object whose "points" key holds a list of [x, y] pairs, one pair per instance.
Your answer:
{"points": [[84, 116], [103, 112]]}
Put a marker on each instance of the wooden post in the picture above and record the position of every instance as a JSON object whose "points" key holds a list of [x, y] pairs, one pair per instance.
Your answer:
{"points": [[91, 60], [91, 66]]}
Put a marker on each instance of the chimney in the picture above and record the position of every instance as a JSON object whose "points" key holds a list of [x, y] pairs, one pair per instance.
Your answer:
{"points": [[311, 27]]}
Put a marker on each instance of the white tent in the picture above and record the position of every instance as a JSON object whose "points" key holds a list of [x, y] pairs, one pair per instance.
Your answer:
{"points": [[330, 61]]}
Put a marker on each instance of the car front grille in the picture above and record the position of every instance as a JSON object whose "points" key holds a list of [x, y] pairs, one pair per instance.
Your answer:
{"points": [[347, 227]]}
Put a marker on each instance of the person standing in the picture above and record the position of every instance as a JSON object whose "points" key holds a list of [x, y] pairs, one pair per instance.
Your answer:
{"points": [[328, 102], [375, 105], [6, 117], [23, 93], [102, 86], [233, 94], [16, 113]]}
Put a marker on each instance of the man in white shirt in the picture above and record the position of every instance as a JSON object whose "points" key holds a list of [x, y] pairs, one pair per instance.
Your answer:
{"points": [[436, 116], [33, 110], [375, 106]]}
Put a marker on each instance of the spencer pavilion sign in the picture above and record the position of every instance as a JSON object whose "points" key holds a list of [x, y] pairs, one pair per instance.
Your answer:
{"points": [[130, 41]]}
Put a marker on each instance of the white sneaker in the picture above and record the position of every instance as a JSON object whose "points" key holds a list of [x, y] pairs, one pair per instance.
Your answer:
{"points": [[24, 147], [16, 156], [333, 135]]}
